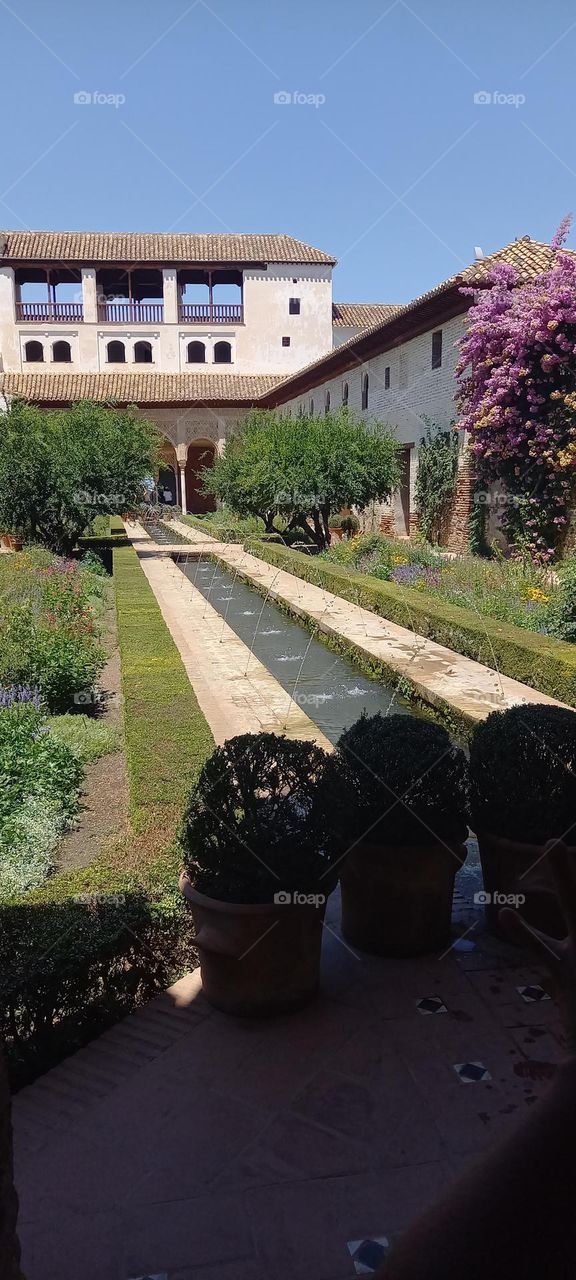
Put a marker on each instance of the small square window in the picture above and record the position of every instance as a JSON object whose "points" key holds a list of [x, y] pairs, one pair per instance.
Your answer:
{"points": [[294, 279], [387, 377], [437, 349], [285, 342], [294, 307]]}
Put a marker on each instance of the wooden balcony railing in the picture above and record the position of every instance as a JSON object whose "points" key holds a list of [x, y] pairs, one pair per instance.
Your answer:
{"points": [[131, 312], [48, 311], [218, 313]]}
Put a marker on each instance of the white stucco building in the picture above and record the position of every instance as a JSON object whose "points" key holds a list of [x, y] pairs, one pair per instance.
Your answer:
{"points": [[196, 329]]}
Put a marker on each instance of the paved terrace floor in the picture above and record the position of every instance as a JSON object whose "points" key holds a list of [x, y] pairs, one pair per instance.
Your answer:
{"points": [[191, 1145], [188, 1145], [439, 674]]}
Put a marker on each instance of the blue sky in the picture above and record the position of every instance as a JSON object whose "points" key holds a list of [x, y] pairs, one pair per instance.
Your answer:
{"points": [[398, 172]]}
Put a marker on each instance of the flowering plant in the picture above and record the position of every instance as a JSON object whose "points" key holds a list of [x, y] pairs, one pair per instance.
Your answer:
{"points": [[517, 373]]}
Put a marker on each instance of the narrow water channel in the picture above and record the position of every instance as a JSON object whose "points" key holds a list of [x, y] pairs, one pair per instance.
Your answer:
{"points": [[330, 689]]}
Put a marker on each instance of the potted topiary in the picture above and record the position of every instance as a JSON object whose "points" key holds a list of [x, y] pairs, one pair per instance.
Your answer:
{"points": [[398, 787], [335, 526], [523, 793], [258, 871]]}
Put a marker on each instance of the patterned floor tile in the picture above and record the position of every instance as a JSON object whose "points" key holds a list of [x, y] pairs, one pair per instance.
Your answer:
{"points": [[368, 1254], [471, 1072], [431, 1004], [533, 994]]}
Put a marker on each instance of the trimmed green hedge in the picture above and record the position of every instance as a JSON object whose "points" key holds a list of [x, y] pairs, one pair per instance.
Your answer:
{"points": [[542, 662], [167, 737], [89, 945]]}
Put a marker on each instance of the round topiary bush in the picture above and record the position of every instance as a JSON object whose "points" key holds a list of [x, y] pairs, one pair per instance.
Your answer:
{"points": [[523, 774], [255, 822], [398, 780]]}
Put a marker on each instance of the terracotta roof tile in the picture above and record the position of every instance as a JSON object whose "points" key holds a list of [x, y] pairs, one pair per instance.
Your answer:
{"points": [[362, 314], [138, 388], [159, 247]]}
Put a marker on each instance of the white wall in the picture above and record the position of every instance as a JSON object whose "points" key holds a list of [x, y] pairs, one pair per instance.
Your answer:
{"points": [[256, 344]]}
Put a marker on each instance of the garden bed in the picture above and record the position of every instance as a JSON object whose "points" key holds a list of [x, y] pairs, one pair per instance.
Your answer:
{"points": [[542, 662], [89, 944]]}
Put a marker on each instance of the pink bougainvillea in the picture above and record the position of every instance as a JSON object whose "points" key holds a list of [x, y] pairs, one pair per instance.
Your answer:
{"points": [[517, 375]]}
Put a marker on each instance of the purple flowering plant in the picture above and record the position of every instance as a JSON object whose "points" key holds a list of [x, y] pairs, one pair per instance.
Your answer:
{"points": [[517, 396]]}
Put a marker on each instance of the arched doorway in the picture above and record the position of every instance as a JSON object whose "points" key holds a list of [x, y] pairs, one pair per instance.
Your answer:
{"points": [[167, 476], [200, 456]]}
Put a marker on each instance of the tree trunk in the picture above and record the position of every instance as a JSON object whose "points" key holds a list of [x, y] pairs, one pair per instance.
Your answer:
{"points": [[9, 1243]]}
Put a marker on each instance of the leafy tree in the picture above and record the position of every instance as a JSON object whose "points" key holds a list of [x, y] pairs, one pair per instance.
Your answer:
{"points": [[303, 469], [436, 479], [60, 468]]}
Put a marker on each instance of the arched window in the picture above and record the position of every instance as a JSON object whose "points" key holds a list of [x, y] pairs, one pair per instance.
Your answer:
{"points": [[34, 352], [143, 353], [327, 402], [61, 353], [365, 391], [115, 353], [196, 353], [222, 353], [344, 393], [311, 407]]}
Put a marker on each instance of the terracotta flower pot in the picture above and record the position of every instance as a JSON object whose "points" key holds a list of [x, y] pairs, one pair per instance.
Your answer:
{"points": [[256, 959], [397, 901], [11, 542], [512, 869], [336, 535]]}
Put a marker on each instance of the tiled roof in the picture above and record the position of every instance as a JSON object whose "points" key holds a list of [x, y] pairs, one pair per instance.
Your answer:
{"points": [[362, 315], [133, 246], [138, 388], [530, 257]]}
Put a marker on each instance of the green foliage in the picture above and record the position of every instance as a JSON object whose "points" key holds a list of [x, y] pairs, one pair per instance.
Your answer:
{"points": [[304, 469], [88, 739], [255, 822], [48, 634], [400, 780], [167, 737], [89, 945], [541, 661], [60, 468], [436, 479], [76, 955], [226, 525], [39, 787], [523, 775], [562, 611]]}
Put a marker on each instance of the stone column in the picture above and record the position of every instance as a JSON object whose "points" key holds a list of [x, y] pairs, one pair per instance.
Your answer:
{"points": [[89, 295], [183, 489], [170, 290]]}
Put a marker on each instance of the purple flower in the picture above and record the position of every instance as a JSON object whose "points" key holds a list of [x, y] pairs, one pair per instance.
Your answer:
{"points": [[18, 693]]}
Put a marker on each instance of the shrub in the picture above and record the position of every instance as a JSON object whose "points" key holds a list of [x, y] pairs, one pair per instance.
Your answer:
{"points": [[254, 824], [561, 614], [541, 661], [397, 780], [523, 774], [88, 739], [436, 479], [39, 786], [48, 631]]}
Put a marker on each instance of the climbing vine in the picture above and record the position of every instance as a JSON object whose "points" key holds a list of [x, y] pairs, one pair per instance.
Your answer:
{"points": [[436, 479], [517, 375]]}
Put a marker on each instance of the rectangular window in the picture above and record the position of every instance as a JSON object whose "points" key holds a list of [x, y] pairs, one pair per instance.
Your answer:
{"points": [[285, 342], [437, 349], [294, 307], [387, 377]]}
